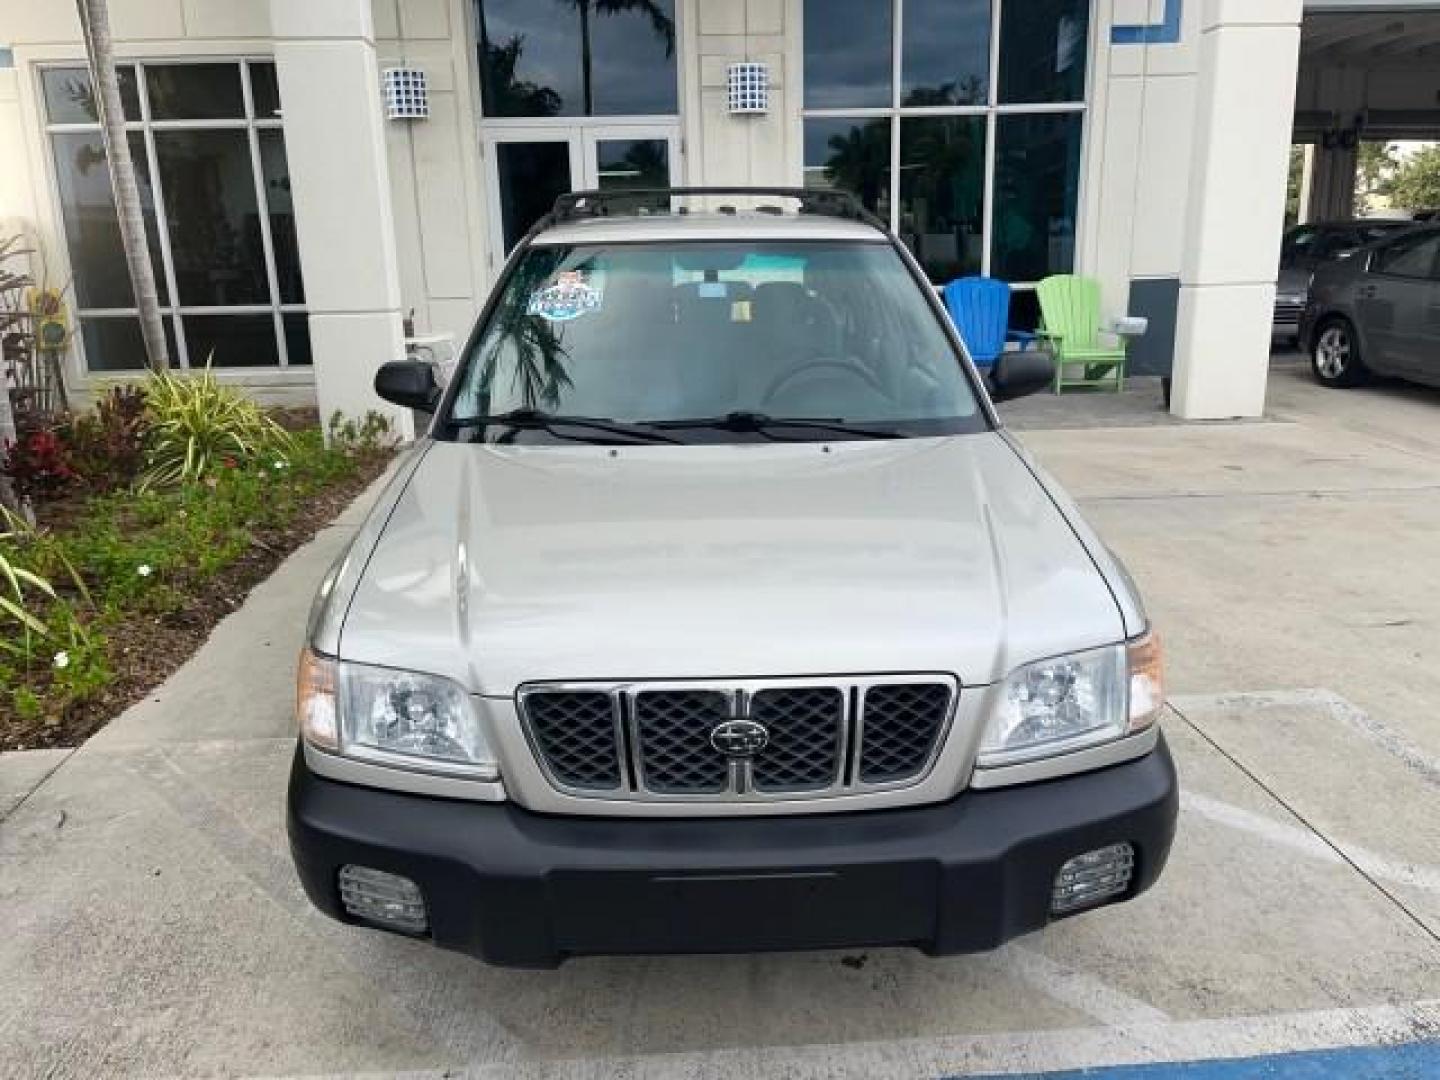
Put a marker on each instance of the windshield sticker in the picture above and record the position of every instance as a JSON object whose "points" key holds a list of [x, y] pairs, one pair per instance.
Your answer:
{"points": [[568, 297]]}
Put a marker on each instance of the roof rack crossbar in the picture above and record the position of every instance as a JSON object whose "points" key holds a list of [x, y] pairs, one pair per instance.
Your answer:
{"points": [[630, 202]]}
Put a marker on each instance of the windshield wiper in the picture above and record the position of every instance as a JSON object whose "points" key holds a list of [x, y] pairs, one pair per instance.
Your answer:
{"points": [[764, 424], [538, 419]]}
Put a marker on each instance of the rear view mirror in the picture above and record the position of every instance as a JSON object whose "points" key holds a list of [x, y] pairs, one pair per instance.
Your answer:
{"points": [[409, 384], [1017, 374]]}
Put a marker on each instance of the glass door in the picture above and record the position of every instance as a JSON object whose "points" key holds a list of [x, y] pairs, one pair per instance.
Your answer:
{"points": [[530, 166], [631, 156], [528, 169]]}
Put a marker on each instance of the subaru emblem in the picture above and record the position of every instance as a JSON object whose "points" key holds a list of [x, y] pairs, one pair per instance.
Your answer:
{"points": [[739, 738]]}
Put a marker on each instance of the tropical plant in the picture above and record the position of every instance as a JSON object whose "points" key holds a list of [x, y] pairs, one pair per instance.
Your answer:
{"points": [[198, 425], [660, 23], [100, 49], [37, 464], [16, 581], [106, 447]]}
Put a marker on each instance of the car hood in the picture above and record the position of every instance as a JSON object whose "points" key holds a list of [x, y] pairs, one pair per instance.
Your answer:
{"points": [[506, 565]]}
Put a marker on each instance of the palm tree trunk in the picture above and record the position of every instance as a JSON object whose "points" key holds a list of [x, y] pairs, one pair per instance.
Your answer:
{"points": [[589, 92], [95, 25]]}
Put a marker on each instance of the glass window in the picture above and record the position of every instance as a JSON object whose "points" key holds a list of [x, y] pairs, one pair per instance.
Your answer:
{"points": [[194, 91], [942, 193], [1037, 176], [217, 244], [853, 155], [297, 338], [92, 231], [214, 223], [1043, 47], [579, 58], [114, 342], [264, 91], [276, 181], [1412, 257], [69, 98], [848, 50], [945, 52], [633, 163], [243, 340], [1023, 123], [657, 333]]}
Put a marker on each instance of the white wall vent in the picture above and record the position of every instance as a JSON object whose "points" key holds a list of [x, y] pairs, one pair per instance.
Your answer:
{"points": [[407, 94], [749, 87]]}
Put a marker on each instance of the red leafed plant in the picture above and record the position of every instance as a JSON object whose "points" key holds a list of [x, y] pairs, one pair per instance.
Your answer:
{"points": [[38, 464]]}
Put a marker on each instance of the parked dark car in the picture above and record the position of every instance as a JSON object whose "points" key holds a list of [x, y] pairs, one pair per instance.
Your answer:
{"points": [[1378, 311], [1309, 246]]}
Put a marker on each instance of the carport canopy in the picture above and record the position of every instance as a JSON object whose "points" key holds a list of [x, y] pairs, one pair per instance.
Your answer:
{"points": [[1369, 70]]}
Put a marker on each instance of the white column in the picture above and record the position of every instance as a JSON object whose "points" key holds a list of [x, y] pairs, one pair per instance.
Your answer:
{"points": [[335, 143], [1249, 60]]}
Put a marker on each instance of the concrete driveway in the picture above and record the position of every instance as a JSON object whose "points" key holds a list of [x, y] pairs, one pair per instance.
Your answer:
{"points": [[152, 923]]}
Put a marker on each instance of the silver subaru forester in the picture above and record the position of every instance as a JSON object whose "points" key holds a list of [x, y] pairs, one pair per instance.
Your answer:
{"points": [[717, 611]]}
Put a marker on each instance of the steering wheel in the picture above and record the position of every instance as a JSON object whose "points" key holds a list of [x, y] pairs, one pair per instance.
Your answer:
{"points": [[853, 370]]}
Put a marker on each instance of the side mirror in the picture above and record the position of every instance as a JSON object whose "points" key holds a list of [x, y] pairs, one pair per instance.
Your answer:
{"points": [[1017, 374], [409, 384]]}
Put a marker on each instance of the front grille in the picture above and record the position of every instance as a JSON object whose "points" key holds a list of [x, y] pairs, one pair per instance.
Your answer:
{"points": [[653, 741], [1288, 312]]}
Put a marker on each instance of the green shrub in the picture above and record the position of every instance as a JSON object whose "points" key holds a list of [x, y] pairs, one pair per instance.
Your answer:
{"points": [[198, 426], [106, 446]]}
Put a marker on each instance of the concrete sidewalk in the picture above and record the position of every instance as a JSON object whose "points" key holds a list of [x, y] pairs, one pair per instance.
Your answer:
{"points": [[154, 925]]}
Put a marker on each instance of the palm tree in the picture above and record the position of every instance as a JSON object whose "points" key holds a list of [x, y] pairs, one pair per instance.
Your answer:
{"points": [[660, 22], [100, 49]]}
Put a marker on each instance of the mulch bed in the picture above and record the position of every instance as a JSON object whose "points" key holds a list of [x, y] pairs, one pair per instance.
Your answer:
{"points": [[145, 650]]}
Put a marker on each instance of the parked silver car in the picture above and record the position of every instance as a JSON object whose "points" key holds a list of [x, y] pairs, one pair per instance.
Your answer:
{"points": [[717, 611], [1307, 247], [1378, 311]]}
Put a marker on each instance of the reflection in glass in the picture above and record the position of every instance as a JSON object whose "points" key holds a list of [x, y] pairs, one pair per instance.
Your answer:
{"points": [[264, 91], [92, 231], [114, 343], [577, 57], [213, 219], [70, 100], [632, 163], [228, 341], [1043, 50], [853, 155], [276, 179], [522, 360], [532, 176], [848, 51], [194, 91], [945, 52], [942, 193], [1037, 178]]}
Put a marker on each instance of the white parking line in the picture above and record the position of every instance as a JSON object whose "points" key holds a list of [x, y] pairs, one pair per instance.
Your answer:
{"points": [[1079, 990], [1301, 839]]}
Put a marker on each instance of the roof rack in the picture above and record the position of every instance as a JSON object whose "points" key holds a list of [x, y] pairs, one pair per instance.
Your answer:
{"points": [[639, 202]]}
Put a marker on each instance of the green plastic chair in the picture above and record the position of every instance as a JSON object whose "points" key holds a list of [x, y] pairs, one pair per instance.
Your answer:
{"points": [[1070, 322]]}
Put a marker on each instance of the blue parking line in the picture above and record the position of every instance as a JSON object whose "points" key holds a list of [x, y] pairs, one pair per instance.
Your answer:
{"points": [[1405, 1061]]}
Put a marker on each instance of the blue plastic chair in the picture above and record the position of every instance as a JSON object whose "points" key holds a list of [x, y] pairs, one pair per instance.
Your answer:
{"points": [[980, 309]]}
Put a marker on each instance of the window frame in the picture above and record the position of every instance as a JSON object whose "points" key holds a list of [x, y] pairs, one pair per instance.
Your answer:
{"points": [[1409, 241], [991, 110], [173, 313]]}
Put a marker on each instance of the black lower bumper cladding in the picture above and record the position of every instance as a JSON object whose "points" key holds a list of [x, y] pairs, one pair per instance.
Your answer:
{"points": [[522, 889]]}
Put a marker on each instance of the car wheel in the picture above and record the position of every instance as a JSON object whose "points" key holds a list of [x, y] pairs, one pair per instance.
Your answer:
{"points": [[1335, 356]]}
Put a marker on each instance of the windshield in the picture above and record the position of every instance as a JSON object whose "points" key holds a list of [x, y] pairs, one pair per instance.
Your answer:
{"points": [[664, 334]]}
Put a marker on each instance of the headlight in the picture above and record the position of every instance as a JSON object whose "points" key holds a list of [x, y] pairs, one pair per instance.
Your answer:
{"points": [[1071, 702], [392, 717]]}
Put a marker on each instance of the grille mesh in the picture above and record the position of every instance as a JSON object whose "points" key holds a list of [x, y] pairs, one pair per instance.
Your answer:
{"points": [[674, 735], [576, 734], [665, 749], [901, 724], [805, 725]]}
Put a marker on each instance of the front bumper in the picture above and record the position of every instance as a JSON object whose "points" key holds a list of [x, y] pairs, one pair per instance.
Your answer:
{"points": [[522, 889]]}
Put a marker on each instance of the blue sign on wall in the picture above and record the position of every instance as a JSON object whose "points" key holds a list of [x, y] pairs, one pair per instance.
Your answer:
{"points": [[1165, 32]]}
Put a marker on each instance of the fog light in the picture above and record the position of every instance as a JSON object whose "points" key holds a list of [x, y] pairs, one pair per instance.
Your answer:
{"points": [[1088, 879], [387, 899]]}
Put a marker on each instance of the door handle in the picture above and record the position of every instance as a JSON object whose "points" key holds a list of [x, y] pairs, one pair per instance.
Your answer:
{"points": [[1367, 292]]}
